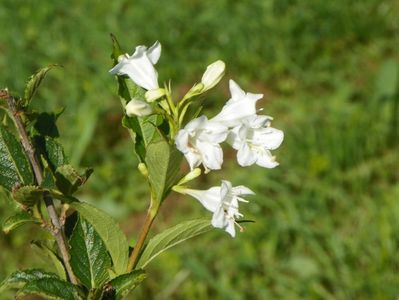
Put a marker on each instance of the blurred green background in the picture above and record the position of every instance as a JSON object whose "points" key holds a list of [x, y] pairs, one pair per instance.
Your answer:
{"points": [[327, 219]]}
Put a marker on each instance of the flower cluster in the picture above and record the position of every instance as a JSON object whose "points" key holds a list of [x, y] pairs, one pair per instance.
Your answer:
{"points": [[200, 139]]}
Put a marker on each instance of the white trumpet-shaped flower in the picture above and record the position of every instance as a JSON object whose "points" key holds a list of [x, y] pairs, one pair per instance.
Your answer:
{"points": [[223, 202], [199, 142], [137, 107], [140, 66], [240, 106], [254, 138]]}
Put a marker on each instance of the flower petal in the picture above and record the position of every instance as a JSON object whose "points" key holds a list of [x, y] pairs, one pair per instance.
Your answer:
{"points": [[266, 160], [154, 52], [212, 155], [245, 156], [236, 92]]}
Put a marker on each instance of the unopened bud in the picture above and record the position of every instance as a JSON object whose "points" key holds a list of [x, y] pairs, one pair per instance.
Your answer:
{"points": [[153, 95], [190, 176], [143, 169], [213, 74], [137, 107]]}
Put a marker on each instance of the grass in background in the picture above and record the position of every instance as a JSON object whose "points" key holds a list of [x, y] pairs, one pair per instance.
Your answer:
{"points": [[326, 219]]}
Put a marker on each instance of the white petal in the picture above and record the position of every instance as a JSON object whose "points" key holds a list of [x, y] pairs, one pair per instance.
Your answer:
{"points": [[154, 52], [269, 138], [266, 160], [218, 218], [234, 111], [212, 155], [236, 92], [193, 159], [210, 199], [181, 141], [234, 137], [245, 156], [197, 123], [230, 228], [242, 190], [214, 132]]}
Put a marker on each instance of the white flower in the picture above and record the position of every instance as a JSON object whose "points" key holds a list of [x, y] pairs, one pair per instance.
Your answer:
{"points": [[199, 142], [213, 74], [254, 139], [222, 201], [240, 106], [140, 66], [137, 107]]}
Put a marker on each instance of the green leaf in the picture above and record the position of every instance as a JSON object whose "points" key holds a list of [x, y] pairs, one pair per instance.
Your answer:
{"points": [[55, 153], [89, 258], [163, 164], [109, 231], [43, 124], [34, 82], [18, 220], [28, 195], [50, 288], [43, 248], [68, 180], [144, 131], [14, 166], [19, 278], [121, 286], [48, 179], [171, 237]]}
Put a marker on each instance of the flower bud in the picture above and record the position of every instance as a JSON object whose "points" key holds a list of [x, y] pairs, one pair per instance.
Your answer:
{"points": [[153, 95], [143, 169], [213, 74], [137, 107], [190, 176]]}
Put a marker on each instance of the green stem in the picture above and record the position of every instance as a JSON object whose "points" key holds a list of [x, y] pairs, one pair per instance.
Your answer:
{"points": [[151, 214]]}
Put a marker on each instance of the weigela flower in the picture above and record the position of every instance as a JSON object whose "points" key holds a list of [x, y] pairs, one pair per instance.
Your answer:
{"points": [[137, 107], [223, 202], [199, 142], [140, 66], [254, 138], [240, 106]]}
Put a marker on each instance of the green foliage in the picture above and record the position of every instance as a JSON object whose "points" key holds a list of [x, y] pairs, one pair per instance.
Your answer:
{"points": [[333, 197], [121, 286], [15, 168], [28, 195], [33, 84], [143, 131], [110, 233], [172, 237], [44, 250], [68, 180], [50, 288], [55, 153], [89, 258], [17, 220], [18, 279], [163, 164]]}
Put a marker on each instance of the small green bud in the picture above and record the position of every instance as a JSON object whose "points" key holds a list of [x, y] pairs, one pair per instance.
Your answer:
{"points": [[143, 169], [190, 176], [153, 95]]}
